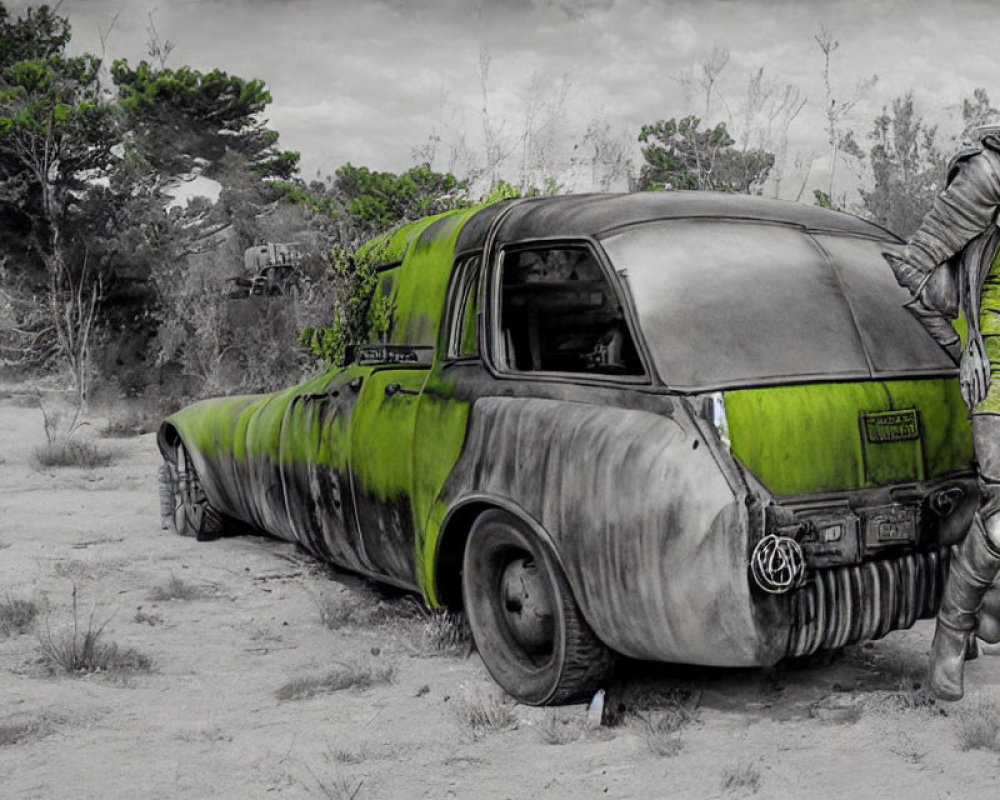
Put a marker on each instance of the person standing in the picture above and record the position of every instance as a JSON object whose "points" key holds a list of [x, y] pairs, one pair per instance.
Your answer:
{"points": [[952, 262]]}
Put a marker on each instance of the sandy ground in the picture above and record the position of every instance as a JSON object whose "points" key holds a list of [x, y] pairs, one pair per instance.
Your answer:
{"points": [[207, 721]]}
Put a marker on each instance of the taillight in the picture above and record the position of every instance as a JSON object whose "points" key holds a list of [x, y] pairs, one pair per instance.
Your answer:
{"points": [[714, 411]]}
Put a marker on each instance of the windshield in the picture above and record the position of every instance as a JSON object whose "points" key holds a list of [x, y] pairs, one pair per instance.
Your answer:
{"points": [[725, 303]]}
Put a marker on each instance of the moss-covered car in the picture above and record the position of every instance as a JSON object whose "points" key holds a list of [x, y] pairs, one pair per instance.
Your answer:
{"points": [[683, 427]]}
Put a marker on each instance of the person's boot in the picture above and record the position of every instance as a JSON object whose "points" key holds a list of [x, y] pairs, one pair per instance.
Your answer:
{"points": [[975, 562]]}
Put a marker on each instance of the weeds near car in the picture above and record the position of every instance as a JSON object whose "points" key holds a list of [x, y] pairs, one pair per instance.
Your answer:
{"points": [[17, 731], [660, 713], [345, 676], [557, 728], [344, 756], [979, 727], [339, 787], [61, 449], [145, 618], [483, 713], [445, 633], [71, 454], [16, 615], [81, 649], [742, 776], [176, 589], [131, 421], [910, 693], [371, 611]]}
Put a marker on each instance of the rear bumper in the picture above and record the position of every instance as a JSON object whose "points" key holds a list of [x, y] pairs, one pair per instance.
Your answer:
{"points": [[841, 605]]}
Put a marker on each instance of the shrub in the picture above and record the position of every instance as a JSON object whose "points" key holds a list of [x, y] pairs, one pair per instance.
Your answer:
{"points": [[81, 650], [70, 453], [16, 615]]}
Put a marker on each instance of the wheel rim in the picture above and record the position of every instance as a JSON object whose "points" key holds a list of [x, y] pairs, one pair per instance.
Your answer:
{"points": [[189, 500], [528, 607]]}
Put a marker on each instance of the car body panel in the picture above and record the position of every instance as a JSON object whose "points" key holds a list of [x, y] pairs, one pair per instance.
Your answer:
{"points": [[811, 437]]}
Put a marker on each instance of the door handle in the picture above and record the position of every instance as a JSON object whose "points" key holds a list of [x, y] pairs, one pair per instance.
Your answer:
{"points": [[393, 389], [355, 385]]}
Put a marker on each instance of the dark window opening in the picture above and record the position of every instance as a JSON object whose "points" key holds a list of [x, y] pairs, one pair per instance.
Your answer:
{"points": [[559, 313], [463, 310]]}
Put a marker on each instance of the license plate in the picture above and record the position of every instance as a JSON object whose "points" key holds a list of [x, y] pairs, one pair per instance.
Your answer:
{"points": [[890, 525], [891, 426]]}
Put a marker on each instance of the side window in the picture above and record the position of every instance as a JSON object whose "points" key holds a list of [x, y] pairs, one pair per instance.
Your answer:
{"points": [[463, 308], [559, 313], [381, 311]]}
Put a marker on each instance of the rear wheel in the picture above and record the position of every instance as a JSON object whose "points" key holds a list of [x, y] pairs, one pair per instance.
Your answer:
{"points": [[524, 618], [184, 506]]}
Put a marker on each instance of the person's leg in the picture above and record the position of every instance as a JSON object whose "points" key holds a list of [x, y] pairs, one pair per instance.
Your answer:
{"points": [[975, 563]]}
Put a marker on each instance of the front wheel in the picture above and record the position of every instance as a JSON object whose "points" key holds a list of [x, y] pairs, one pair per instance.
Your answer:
{"points": [[524, 618], [184, 506]]}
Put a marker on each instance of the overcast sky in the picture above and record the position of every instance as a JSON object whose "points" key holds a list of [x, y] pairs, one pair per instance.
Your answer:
{"points": [[369, 81]]}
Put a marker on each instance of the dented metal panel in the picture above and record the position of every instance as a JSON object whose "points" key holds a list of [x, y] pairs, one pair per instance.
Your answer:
{"points": [[653, 539]]}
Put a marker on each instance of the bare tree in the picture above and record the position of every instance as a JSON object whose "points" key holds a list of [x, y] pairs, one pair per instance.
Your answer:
{"points": [[158, 49], [544, 104], [74, 303], [704, 76], [607, 156], [837, 109], [764, 117]]}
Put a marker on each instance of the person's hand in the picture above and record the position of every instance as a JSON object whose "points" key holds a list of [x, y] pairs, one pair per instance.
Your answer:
{"points": [[908, 276]]}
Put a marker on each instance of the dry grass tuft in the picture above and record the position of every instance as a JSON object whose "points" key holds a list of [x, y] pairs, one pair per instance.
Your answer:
{"points": [[979, 726], [17, 731], [742, 776], [132, 420], [345, 676], [661, 731], [17, 615], [486, 712], [910, 693], [71, 453], [80, 650], [342, 755], [631, 702], [445, 633], [660, 712], [176, 589], [369, 612], [338, 787], [558, 728]]}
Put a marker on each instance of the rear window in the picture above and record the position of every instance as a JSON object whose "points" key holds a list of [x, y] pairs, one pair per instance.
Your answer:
{"points": [[724, 302]]}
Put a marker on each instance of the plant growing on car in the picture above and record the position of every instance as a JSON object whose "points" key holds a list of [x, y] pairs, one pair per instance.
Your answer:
{"points": [[354, 275]]}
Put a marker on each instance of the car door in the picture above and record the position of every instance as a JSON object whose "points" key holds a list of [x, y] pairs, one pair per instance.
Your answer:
{"points": [[382, 459], [314, 455]]}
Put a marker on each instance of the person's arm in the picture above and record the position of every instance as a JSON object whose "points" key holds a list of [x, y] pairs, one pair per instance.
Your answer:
{"points": [[961, 211]]}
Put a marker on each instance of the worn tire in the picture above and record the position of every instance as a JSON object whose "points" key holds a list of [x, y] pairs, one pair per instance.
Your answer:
{"points": [[184, 507], [525, 621]]}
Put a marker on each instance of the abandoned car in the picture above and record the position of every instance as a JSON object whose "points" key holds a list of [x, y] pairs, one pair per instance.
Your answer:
{"points": [[682, 426]]}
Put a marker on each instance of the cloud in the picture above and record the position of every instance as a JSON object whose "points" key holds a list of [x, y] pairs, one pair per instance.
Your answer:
{"points": [[366, 82]]}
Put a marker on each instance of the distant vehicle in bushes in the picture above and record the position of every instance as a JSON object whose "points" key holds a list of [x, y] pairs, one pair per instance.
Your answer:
{"points": [[271, 269], [683, 427]]}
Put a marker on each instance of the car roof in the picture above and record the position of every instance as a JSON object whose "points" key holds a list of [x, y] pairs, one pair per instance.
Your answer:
{"points": [[592, 215]]}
